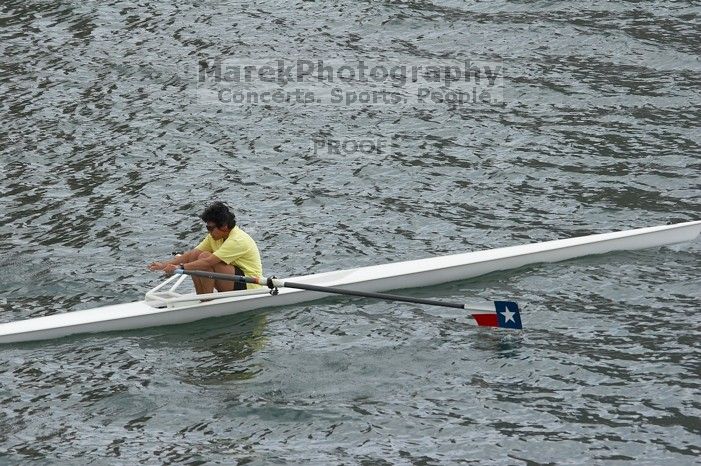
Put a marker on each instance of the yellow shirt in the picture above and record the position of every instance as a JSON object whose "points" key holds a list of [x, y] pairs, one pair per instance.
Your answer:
{"points": [[238, 249]]}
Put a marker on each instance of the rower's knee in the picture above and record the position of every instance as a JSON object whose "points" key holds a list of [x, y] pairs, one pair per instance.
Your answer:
{"points": [[204, 255]]}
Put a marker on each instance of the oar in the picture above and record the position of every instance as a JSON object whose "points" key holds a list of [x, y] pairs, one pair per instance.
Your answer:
{"points": [[505, 313]]}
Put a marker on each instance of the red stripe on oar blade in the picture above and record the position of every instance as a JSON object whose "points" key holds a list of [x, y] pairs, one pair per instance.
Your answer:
{"points": [[486, 320]]}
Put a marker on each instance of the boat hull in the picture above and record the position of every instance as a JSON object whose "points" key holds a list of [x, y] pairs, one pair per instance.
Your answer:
{"points": [[394, 276]]}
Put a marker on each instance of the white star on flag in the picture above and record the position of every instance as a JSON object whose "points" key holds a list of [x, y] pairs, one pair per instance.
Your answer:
{"points": [[508, 315]]}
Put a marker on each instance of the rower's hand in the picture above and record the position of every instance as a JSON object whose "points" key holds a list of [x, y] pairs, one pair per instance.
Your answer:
{"points": [[156, 266], [169, 269]]}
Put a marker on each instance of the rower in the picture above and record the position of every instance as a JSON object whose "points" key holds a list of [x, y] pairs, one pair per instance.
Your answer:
{"points": [[226, 249]]}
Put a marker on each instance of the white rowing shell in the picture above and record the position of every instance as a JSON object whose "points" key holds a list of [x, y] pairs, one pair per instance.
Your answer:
{"points": [[394, 276]]}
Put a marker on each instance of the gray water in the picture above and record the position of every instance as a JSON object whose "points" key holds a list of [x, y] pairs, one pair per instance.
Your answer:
{"points": [[111, 147]]}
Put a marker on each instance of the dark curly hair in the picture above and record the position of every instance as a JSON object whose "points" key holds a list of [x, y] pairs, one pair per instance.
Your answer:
{"points": [[219, 214]]}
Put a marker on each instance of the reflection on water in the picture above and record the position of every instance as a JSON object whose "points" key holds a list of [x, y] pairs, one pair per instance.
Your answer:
{"points": [[226, 355]]}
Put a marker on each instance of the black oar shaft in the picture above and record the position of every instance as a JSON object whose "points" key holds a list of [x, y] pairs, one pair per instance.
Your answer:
{"points": [[323, 289], [223, 276], [371, 294]]}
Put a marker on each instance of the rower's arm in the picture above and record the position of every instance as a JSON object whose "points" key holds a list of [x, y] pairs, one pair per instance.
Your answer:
{"points": [[191, 260], [203, 263]]}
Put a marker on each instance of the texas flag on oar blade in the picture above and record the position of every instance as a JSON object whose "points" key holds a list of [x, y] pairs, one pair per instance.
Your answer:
{"points": [[505, 315]]}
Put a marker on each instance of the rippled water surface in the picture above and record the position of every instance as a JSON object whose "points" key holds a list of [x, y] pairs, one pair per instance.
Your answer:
{"points": [[109, 151]]}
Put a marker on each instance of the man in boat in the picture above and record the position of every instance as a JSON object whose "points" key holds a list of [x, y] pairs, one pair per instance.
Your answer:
{"points": [[226, 249]]}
